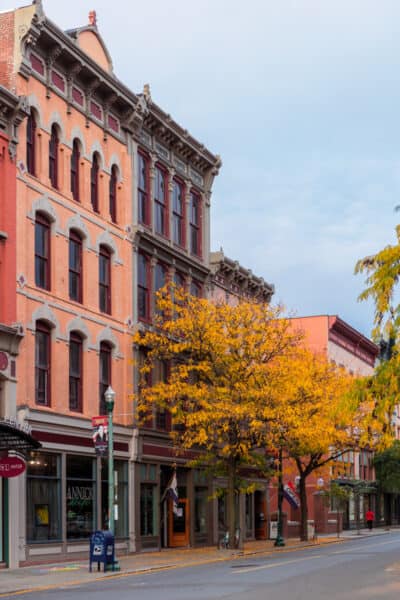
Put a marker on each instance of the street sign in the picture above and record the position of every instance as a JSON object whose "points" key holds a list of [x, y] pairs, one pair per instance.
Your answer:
{"points": [[11, 466]]}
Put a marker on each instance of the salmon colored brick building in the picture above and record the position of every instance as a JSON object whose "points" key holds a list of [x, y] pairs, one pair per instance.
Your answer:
{"points": [[66, 277], [347, 347], [104, 197]]}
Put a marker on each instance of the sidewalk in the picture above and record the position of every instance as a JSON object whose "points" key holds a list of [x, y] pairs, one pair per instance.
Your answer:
{"points": [[41, 577]]}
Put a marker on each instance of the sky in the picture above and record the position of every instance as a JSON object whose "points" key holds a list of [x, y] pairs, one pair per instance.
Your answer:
{"points": [[301, 99]]}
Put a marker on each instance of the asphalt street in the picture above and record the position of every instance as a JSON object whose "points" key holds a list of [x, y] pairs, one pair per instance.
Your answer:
{"points": [[364, 568]]}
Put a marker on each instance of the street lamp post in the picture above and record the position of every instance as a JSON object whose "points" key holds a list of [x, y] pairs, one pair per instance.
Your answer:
{"points": [[109, 396], [279, 542]]}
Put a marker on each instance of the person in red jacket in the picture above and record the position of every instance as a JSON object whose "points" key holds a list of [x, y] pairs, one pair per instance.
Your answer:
{"points": [[369, 517]]}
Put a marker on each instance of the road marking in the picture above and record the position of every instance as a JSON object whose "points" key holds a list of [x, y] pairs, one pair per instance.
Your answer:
{"points": [[280, 564], [364, 547]]}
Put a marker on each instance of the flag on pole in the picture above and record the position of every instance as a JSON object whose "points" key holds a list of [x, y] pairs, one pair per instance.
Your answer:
{"points": [[172, 493]]}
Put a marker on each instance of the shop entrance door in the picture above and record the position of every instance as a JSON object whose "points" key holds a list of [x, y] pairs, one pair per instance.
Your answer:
{"points": [[260, 507], [178, 524]]}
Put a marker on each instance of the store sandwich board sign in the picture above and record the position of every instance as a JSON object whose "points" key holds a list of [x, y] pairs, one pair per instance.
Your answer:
{"points": [[11, 466]]}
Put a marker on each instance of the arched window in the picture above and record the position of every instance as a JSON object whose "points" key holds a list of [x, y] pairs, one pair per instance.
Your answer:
{"points": [[113, 193], [53, 157], [195, 289], [179, 280], [195, 224], [94, 183], [75, 372], [177, 213], [104, 375], [75, 266], [143, 189], [160, 279], [42, 251], [42, 363], [160, 200], [144, 287], [31, 144], [75, 157], [105, 280]]}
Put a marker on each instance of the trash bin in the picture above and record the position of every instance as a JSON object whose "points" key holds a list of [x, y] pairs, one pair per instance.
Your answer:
{"points": [[102, 550]]}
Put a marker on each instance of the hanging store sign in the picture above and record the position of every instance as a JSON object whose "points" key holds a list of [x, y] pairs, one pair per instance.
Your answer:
{"points": [[100, 434], [11, 466]]}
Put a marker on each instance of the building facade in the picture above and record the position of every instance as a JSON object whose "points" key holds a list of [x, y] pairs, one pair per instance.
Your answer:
{"points": [[68, 256], [173, 176], [347, 347], [107, 197], [12, 113]]}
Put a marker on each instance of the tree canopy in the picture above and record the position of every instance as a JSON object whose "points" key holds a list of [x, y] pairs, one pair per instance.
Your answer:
{"points": [[318, 416], [224, 373]]}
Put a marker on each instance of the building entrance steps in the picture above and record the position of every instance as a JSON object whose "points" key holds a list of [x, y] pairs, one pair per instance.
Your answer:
{"points": [[50, 576]]}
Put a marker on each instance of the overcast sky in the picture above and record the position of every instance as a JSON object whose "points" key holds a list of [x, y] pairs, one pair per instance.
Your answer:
{"points": [[301, 99]]}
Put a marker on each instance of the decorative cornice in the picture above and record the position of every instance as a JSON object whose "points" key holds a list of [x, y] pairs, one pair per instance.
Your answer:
{"points": [[236, 279], [13, 110]]}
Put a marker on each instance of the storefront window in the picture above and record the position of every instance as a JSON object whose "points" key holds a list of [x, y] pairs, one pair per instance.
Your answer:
{"points": [[121, 497], [147, 509], [43, 504], [222, 521], [81, 496], [200, 510], [249, 515]]}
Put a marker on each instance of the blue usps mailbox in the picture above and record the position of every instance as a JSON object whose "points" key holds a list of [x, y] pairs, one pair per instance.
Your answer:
{"points": [[102, 550]]}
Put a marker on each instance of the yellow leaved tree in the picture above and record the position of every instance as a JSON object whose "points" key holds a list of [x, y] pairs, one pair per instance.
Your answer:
{"points": [[318, 416], [221, 389]]}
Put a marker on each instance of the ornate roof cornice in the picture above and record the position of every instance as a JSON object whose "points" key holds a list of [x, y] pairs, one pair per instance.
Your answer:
{"points": [[136, 110], [13, 109], [236, 279]]}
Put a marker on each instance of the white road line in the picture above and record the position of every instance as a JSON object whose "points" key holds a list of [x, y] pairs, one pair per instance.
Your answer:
{"points": [[280, 564], [365, 547]]}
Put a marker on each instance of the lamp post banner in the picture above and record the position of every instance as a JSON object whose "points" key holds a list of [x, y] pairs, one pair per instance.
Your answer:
{"points": [[100, 434]]}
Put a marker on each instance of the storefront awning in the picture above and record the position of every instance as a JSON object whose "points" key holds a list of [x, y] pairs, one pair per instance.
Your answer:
{"points": [[14, 438]]}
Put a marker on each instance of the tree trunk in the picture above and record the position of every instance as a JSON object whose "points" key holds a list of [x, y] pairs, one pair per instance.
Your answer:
{"points": [[231, 504], [303, 508]]}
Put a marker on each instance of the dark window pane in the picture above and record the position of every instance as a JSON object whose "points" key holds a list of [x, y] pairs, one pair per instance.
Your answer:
{"points": [[75, 170], [147, 509], [42, 254], [113, 195], [94, 184], [42, 365], [75, 268], [104, 281], [143, 287], [104, 375], [160, 200]]}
